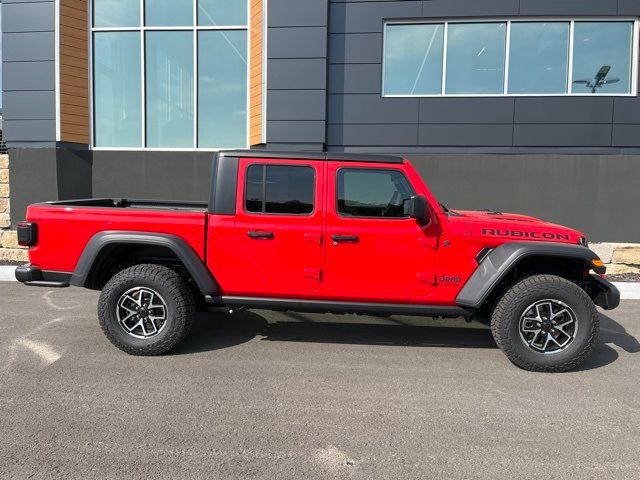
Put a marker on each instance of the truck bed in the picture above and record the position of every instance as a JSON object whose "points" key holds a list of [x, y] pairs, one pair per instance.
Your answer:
{"points": [[65, 227]]}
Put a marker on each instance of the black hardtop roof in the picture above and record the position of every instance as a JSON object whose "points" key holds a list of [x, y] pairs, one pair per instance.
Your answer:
{"points": [[324, 156]]}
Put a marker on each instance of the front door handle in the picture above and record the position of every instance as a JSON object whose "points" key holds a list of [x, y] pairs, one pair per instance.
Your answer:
{"points": [[260, 235], [345, 238]]}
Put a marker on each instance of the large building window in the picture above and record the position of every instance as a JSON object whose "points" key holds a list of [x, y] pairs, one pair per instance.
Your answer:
{"points": [[162, 80], [511, 57]]}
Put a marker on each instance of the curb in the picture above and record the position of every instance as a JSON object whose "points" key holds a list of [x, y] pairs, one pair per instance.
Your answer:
{"points": [[628, 290]]}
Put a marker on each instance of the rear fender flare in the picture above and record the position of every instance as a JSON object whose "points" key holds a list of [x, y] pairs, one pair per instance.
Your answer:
{"points": [[502, 259], [194, 265]]}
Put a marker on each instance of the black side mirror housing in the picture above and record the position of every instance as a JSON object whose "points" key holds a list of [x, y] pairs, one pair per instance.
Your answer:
{"points": [[417, 207]]}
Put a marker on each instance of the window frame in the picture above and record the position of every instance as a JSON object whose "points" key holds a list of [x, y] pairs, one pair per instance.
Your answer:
{"points": [[264, 183], [367, 169], [142, 29], [635, 48]]}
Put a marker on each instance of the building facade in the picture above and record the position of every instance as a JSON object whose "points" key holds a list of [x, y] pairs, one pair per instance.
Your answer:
{"points": [[528, 106]]}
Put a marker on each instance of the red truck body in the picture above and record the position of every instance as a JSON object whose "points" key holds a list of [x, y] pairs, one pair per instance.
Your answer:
{"points": [[394, 260], [323, 233]]}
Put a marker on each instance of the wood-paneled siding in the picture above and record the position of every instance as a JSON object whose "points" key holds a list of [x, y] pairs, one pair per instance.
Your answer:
{"points": [[74, 72], [256, 73]]}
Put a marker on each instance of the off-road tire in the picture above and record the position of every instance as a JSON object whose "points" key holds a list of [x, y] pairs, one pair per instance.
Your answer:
{"points": [[175, 292], [505, 321]]}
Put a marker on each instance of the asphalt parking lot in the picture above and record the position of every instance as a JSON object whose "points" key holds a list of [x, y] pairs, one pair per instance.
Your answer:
{"points": [[266, 395]]}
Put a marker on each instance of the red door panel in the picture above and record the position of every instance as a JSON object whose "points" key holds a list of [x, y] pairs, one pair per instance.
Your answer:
{"points": [[280, 251], [375, 258]]}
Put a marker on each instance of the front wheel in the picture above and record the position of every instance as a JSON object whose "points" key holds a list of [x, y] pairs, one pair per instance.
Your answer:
{"points": [[545, 323], [146, 310]]}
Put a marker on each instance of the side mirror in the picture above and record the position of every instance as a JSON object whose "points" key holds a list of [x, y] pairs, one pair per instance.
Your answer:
{"points": [[417, 207]]}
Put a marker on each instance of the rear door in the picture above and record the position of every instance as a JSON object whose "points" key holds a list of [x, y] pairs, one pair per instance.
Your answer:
{"points": [[374, 252], [279, 225]]}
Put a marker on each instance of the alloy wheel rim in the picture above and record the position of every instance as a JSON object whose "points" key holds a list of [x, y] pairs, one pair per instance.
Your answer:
{"points": [[141, 312], [548, 326]]}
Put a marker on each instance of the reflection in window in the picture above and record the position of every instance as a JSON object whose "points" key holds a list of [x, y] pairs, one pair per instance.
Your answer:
{"points": [[222, 12], [471, 57], [372, 193], [169, 74], [116, 13], [222, 88], [281, 189], [475, 58], [164, 13], [413, 59], [602, 57], [117, 89], [538, 57], [146, 79]]}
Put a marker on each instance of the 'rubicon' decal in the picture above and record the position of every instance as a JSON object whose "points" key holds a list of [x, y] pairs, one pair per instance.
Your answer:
{"points": [[496, 232]]}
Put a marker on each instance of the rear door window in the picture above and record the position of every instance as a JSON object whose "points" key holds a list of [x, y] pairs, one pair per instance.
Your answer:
{"points": [[280, 189]]}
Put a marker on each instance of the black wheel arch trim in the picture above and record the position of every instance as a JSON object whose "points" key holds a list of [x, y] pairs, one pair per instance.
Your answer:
{"points": [[194, 265], [499, 262]]}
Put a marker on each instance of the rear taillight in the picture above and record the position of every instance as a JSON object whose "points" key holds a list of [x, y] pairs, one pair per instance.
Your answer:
{"points": [[27, 233]]}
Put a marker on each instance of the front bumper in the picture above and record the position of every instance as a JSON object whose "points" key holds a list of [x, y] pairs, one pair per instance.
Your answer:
{"points": [[604, 293], [33, 276]]}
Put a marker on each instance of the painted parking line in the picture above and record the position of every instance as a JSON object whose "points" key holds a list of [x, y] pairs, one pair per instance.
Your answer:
{"points": [[628, 290], [7, 274]]}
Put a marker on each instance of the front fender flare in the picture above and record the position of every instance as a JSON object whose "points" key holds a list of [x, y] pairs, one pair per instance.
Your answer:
{"points": [[497, 264], [203, 278]]}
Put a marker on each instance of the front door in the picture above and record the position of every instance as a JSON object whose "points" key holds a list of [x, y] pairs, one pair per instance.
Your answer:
{"points": [[279, 226], [374, 252]]}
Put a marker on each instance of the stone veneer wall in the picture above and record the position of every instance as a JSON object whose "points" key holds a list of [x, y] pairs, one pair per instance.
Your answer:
{"points": [[10, 251], [619, 257]]}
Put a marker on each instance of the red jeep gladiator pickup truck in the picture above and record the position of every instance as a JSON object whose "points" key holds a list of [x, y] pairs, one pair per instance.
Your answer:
{"points": [[317, 232]]}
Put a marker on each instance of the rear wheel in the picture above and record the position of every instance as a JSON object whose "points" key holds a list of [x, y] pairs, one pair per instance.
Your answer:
{"points": [[545, 323], [146, 310]]}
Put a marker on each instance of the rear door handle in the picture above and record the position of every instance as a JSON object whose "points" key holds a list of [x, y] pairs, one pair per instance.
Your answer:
{"points": [[345, 238], [258, 235]]}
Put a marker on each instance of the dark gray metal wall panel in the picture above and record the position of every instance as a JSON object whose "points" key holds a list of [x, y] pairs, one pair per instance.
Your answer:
{"points": [[296, 147], [355, 48], [371, 109], [466, 110], [29, 105], [568, 7], [28, 46], [469, 8], [154, 175], [33, 173], [74, 169], [28, 72], [564, 110], [301, 131], [465, 135], [297, 73], [367, 17], [296, 105], [568, 135], [28, 17], [365, 135], [577, 194], [299, 42], [29, 131], [626, 136], [297, 13], [626, 110], [28, 76], [355, 78], [628, 7]]}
